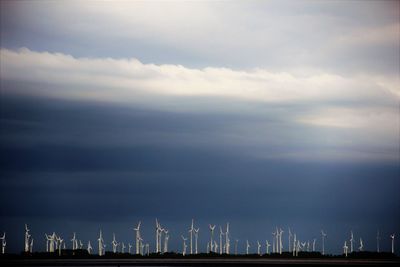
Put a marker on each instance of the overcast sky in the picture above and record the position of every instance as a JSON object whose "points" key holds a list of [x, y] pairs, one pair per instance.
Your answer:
{"points": [[261, 113]]}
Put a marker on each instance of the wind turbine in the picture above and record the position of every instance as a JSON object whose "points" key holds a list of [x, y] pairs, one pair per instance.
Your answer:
{"points": [[280, 241], [313, 245], [27, 236], [74, 242], [157, 236], [392, 237], [308, 246], [345, 248], [274, 240], [227, 240], [377, 241], [267, 244], [59, 241], [114, 244], [80, 244], [89, 248], [129, 248], [166, 238], [220, 239], [101, 244], [361, 245], [294, 245], [123, 248], [191, 229], [212, 227], [184, 245], [323, 234], [289, 235], [258, 248], [351, 241], [196, 236], [3, 243], [247, 247], [137, 230]]}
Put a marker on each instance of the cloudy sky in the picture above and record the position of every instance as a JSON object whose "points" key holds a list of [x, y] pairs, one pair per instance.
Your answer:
{"points": [[260, 113]]}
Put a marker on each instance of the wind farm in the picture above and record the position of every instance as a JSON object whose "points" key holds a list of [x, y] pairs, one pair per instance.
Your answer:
{"points": [[156, 251]]}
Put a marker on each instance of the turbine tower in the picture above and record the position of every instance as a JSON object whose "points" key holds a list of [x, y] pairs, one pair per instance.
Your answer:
{"points": [[184, 245], [59, 244], [114, 244], [101, 244], [74, 242], [227, 240], [191, 229], [137, 230], [351, 241], [166, 238], [280, 241], [212, 227], [258, 248], [196, 236], [323, 234], [345, 248], [27, 237], [247, 247], [267, 244], [290, 236], [89, 248], [392, 237], [220, 239], [313, 245], [361, 247], [3, 243], [157, 234]]}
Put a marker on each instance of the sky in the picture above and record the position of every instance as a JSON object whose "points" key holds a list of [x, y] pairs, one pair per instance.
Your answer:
{"points": [[257, 113]]}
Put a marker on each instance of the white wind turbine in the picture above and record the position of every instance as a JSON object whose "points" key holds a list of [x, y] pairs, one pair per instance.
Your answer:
{"points": [[137, 230], [289, 236], [89, 248], [162, 230], [59, 242], [147, 249], [80, 244], [294, 245], [184, 245], [247, 247], [3, 243], [74, 242], [345, 248], [220, 239], [31, 246], [158, 228], [114, 244], [361, 247], [274, 240], [351, 241], [313, 245], [166, 238], [280, 241], [323, 234], [27, 237], [196, 236], [215, 247], [258, 248], [101, 244], [191, 229], [267, 244], [212, 227], [227, 240], [392, 237], [123, 248], [129, 248]]}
